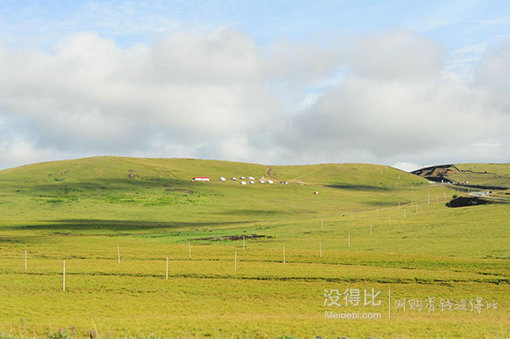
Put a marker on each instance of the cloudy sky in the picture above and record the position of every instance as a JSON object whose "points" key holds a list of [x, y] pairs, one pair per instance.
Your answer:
{"points": [[402, 83]]}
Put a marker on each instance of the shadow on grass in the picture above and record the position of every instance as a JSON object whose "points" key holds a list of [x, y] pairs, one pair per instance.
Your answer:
{"points": [[115, 225], [109, 184], [249, 212], [358, 187]]}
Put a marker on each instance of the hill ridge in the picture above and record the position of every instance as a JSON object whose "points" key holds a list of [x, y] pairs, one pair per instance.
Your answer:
{"points": [[109, 167]]}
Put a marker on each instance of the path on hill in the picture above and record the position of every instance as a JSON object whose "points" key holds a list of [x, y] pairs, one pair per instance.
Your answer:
{"points": [[268, 172]]}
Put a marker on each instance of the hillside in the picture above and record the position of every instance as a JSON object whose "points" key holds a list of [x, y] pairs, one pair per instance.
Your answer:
{"points": [[124, 168], [471, 175], [141, 241], [152, 189]]}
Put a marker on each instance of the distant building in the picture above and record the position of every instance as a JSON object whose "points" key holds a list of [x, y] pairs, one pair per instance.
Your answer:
{"points": [[222, 179], [206, 179], [243, 182], [270, 181]]}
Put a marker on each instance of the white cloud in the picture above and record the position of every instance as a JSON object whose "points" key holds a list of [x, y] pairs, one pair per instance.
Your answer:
{"points": [[18, 150], [396, 55], [219, 95], [90, 95], [407, 166], [399, 104]]}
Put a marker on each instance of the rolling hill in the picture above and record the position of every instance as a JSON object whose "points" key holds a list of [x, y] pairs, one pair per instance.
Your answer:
{"points": [[124, 168], [144, 189], [471, 175], [149, 253]]}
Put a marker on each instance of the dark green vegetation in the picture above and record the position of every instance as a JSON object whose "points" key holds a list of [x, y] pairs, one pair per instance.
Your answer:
{"points": [[83, 210]]}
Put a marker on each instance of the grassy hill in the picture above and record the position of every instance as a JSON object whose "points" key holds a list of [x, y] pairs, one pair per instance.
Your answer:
{"points": [[472, 174], [124, 168], [370, 227], [149, 189], [484, 174]]}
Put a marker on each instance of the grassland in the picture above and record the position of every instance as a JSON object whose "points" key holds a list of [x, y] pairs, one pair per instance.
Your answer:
{"points": [[83, 211], [483, 174]]}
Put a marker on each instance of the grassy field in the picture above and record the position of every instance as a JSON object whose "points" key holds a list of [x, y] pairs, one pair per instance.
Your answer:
{"points": [[483, 174], [371, 230]]}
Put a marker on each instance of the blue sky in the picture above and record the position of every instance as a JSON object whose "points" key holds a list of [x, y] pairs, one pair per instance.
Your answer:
{"points": [[454, 24], [295, 56]]}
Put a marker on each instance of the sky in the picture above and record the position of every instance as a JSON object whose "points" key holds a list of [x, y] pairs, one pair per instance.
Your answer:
{"points": [[400, 83]]}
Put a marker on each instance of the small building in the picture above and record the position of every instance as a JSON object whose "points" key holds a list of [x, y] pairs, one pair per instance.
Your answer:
{"points": [[252, 182], [243, 182], [251, 178], [222, 179], [270, 182], [262, 181], [204, 179], [243, 178], [234, 178]]}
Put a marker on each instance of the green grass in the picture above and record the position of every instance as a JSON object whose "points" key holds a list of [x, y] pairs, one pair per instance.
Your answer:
{"points": [[81, 210], [483, 174]]}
